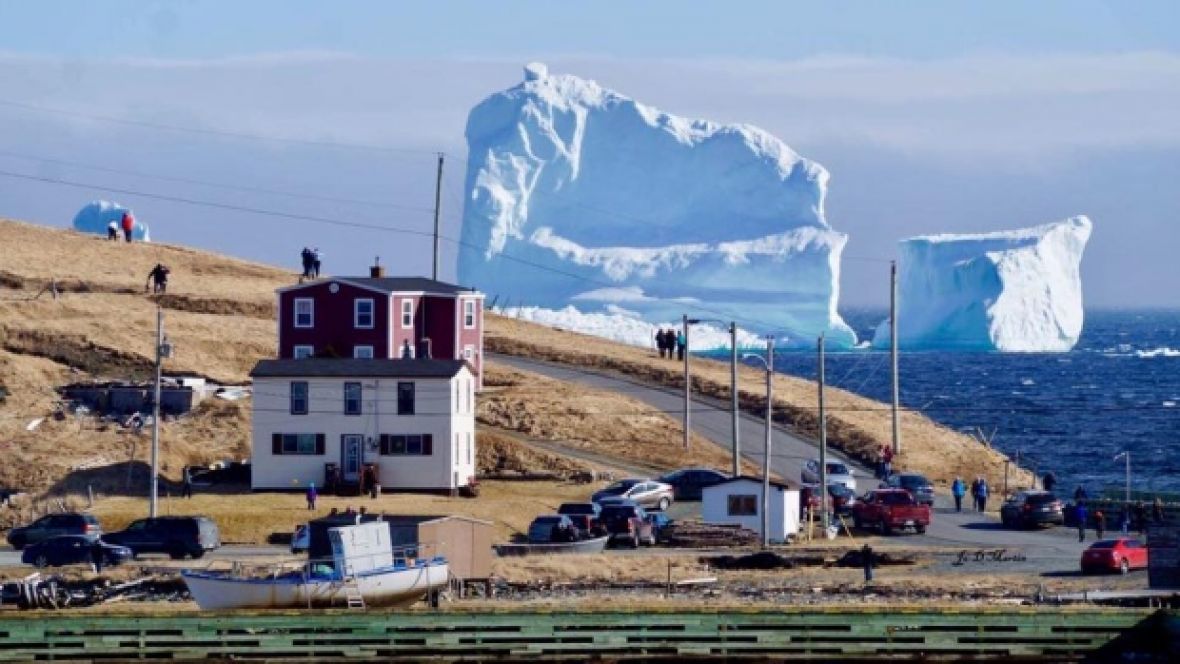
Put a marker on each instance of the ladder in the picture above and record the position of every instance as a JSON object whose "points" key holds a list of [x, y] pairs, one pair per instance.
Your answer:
{"points": [[352, 593]]}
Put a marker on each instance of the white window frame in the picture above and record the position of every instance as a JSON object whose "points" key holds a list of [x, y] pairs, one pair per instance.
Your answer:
{"points": [[309, 350], [356, 352], [469, 352], [407, 314], [469, 314], [310, 312], [356, 313]]}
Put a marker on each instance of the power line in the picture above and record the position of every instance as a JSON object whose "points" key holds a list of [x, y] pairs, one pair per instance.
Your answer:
{"points": [[209, 132]]}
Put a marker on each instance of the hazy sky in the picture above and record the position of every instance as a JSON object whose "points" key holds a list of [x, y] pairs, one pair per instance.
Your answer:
{"points": [[931, 116]]}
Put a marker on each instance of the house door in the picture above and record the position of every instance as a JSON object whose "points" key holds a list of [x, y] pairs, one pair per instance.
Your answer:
{"points": [[350, 457]]}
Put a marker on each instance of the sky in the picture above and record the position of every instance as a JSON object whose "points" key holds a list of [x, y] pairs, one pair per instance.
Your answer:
{"points": [[221, 122]]}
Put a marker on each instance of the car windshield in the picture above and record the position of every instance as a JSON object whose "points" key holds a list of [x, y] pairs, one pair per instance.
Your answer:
{"points": [[1041, 499], [619, 487], [835, 468]]}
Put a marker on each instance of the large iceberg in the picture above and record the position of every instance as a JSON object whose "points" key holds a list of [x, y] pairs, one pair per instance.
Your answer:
{"points": [[94, 217], [579, 195], [1008, 291]]}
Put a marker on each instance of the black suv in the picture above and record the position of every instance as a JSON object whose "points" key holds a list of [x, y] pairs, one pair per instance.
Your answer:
{"points": [[177, 536], [1031, 509], [55, 525]]}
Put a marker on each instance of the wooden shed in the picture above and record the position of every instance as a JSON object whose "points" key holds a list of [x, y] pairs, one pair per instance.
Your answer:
{"points": [[465, 542]]}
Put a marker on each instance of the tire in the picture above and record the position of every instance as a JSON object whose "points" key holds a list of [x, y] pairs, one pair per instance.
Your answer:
{"points": [[664, 503], [197, 554], [176, 551], [41, 561], [1124, 566]]}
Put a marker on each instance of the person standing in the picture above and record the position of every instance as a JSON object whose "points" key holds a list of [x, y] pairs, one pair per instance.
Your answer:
{"points": [[887, 467], [1049, 481], [1081, 513], [96, 556], [305, 256], [1099, 523], [128, 223], [311, 496], [660, 341], [680, 344], [958, 490], [187, 489], [316, 257], [981, 491], [1157, 510]]}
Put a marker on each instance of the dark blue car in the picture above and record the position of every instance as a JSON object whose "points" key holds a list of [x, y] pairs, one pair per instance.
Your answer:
{"points": [[71, 550]]}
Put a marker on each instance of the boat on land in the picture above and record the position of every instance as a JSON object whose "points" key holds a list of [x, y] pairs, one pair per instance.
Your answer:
{"points": [[595, 545], [365, 570]]}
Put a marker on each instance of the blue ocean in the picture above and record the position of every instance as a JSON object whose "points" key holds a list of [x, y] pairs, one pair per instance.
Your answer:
{"points": [[1071, 413]]}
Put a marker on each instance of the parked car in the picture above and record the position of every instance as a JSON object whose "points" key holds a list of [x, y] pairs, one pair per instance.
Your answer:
{"points": [[301, 539], [629, 523], [1114, 555], [840, 499], [55, 525], [921, 488], [177, 536], [584, 516], [889, 510], [645, 492], [838, 473], [687, 483], [1028, 509], [72, 549], [552, 528]]}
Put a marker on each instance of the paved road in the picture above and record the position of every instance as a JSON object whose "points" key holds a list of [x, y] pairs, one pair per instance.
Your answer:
{"points": [[11, 558], [1046, 550]]}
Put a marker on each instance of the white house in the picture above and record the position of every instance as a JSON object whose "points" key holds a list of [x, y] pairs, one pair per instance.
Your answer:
{"points": [[739, 501], [413, 418]]}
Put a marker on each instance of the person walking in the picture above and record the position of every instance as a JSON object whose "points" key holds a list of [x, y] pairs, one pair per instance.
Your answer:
{"points": [[128, 223], [660, 341], [1049, 481], [311, 496], [975, 492], [1099, 523], [887, 467], [187, 489], [305, 257], [316, 257], [159, 277], [113, 230], [680, 343], [981, 491], [958, 490], [1081, 513]]}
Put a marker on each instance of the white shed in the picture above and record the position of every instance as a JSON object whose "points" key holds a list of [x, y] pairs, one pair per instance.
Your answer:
{"points": [[739, 501]]}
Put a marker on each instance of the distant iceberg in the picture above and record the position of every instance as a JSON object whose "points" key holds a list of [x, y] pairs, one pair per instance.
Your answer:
{"points": [[1008, 291], [95, 216], [577, 194]]}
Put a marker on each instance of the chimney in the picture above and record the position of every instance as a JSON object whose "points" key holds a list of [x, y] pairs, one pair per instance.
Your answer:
{"points": [[376, 271]]}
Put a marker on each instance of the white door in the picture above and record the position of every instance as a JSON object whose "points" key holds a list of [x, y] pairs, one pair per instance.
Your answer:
{"points": [[350, 456]]}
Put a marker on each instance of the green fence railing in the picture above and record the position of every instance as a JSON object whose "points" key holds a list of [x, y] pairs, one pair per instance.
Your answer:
{"points": [[788, 633]]}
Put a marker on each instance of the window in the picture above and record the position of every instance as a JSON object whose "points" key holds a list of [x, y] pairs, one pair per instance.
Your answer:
{"points": [[468, 314], [297, 443], [352, 398], [303, 352], [299, 397], [304, 312], [405, 398], [407, 314], [407, 444], [742, 506], [362, 313], [362, 352], [468, 353]]}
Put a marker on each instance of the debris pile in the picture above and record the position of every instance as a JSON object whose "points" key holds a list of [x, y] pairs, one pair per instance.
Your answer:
{"points": [[695, 534], [55, 592]]}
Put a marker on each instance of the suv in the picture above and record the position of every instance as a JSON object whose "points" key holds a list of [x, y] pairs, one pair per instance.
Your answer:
{"points": [[918, 486], [55, 525], [628, 522], [688, 483], [177, 536], [1029, 509]]}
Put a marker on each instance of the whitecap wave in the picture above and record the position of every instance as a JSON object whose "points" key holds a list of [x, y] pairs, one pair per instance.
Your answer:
{"points": [[1162, 351]]}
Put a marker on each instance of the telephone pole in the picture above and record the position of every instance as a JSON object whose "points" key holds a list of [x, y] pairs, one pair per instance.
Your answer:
{"points": [[733, 389], [687, 384], [769, 437], [155, 483], [893, 354], [823, 443], [437, 206]]}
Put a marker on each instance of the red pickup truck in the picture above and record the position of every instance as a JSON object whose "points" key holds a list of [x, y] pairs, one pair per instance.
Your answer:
{"points": [[890, 509]]}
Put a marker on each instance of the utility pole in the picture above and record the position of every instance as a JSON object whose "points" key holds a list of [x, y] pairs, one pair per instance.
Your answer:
{"points": [[437, 206], [155, 484], [733, 390], [893, 353], [823, 443], [687, 384], [767, 447]]}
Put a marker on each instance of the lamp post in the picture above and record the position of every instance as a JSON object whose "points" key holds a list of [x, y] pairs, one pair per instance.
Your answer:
{"points": [[767, 362], [733, 385]]}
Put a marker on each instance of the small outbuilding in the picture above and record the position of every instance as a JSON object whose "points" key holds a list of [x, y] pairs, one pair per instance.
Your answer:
{"points": [[738, 501], [465, 542]]}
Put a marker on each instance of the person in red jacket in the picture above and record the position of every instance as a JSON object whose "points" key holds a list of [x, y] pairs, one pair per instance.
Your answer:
{"points": [[128, 225]]}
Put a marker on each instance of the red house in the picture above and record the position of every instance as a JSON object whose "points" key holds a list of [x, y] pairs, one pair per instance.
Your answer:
{"points": [[381, 317]]}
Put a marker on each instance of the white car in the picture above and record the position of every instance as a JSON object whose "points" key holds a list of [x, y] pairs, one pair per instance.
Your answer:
{"points": [[838, 473]]}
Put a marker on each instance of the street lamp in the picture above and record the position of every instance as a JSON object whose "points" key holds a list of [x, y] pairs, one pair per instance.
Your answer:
{"points": [[733, 385], [1126, 456], [767, 362]]}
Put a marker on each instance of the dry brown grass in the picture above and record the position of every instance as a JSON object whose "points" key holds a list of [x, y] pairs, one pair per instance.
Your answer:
{"points": [[855, 424]]}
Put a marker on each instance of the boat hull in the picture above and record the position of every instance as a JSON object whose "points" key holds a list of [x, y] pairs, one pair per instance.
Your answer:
{"points": [[596, 545], [380, 588]]}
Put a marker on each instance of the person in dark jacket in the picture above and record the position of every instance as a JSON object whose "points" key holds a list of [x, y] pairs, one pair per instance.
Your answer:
{"points": [[306, 257], [159, 278], [660, 341], [1049, 481], [1099, 523], [1081, 513], [312, 494]]}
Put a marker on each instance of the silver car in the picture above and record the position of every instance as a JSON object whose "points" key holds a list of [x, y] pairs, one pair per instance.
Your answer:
{"points": [[838, 473], [644, 492]]}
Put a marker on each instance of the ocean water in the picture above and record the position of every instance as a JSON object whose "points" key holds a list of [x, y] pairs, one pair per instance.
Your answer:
{"points": [[1071, 413]]}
